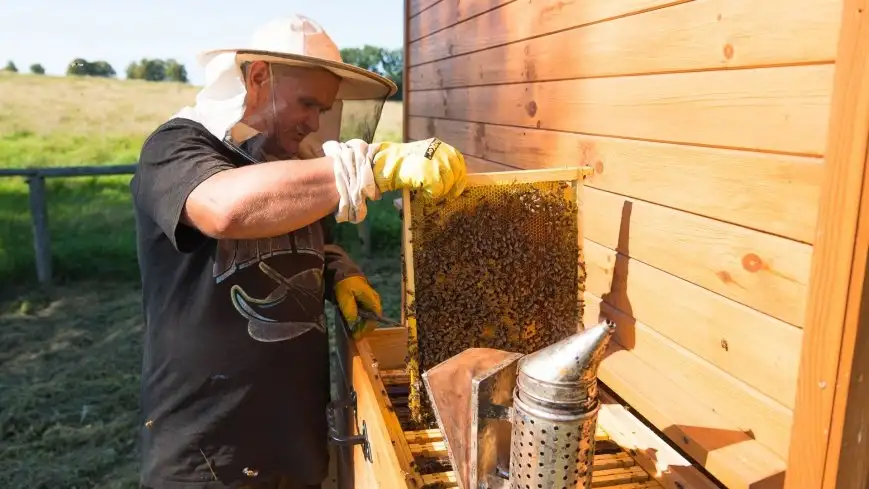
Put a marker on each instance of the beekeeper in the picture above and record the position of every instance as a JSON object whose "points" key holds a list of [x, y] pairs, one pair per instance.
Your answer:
{"points": [[230, 199]]}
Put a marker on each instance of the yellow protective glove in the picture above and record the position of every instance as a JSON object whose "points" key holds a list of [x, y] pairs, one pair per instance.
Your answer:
{"points": [[351, 294], [430, 165]]}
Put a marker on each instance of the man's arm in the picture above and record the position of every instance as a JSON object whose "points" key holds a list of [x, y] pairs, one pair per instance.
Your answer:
{"points": [[339, 265], [192, 191], [263, 200]]}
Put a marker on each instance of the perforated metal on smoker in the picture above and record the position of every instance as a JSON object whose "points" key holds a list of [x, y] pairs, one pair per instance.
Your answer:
{"points": [[499, 267], [551, 455]]}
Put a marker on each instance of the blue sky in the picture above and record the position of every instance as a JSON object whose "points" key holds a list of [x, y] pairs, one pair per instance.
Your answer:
{"points": [[54, 32]]}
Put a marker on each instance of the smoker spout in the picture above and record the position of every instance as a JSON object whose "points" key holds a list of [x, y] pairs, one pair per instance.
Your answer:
{"points": [[565, 373]]}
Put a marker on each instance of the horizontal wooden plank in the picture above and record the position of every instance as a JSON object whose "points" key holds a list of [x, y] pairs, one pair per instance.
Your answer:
{"points": [[718, 444], [394, 377], [521, 20], [567, 174], [698, 35], [479, 165], [755, 348], [431, 441], [654, 455], [447, 13], [773, 193], [620, 478], [417, 6], [423, 436], [768, 421], [762, 271], [772, 109], [69, 171], [389, 346], [601, 461]]}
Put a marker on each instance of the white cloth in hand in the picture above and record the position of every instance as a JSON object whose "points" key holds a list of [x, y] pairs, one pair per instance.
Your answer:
{"points": [[354, 177]]}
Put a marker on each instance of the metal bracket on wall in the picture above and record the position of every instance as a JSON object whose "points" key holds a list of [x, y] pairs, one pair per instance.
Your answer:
{"points": [[336, 438]]}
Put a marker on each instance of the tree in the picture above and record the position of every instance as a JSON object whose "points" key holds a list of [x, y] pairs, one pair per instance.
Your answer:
{"points": [[37, 69], [392, 63], [386, 62], [10, 66], [83, 67], [77, 67], [367, 57], [157, 70], [147, 69], [103, 69], [175, 71]]}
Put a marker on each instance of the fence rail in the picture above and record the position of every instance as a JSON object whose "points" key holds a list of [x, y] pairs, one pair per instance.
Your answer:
{"points": [[68, 171], [36, 177]]}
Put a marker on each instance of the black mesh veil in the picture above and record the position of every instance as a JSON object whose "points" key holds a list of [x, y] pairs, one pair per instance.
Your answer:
{"points": [[360, 119], [275, 131]]}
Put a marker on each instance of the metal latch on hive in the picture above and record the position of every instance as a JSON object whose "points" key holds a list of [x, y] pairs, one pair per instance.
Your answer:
{"points": [[350, 440]]}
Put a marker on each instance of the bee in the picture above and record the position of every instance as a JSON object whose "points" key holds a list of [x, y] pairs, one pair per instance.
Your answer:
{"points": [[501, 268]]}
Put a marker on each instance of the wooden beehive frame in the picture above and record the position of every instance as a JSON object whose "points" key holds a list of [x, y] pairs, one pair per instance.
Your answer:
{"points": [[574, 175]]}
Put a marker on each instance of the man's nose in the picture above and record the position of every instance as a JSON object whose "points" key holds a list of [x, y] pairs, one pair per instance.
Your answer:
{"points": [[312, 121]]}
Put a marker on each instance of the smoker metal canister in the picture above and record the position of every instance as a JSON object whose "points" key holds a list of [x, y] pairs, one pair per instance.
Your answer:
{"points": [[555, 405]]}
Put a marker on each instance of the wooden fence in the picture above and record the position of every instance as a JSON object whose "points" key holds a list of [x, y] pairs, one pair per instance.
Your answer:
{"points": [[36, 177]]}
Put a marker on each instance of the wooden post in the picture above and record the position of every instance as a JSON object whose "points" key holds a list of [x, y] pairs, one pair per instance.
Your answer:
{"points": [[829, 435], [41, 237], [364, 230]]}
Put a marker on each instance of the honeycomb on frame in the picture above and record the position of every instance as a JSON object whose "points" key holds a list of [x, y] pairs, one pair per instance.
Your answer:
{"points": [[499, 267]]}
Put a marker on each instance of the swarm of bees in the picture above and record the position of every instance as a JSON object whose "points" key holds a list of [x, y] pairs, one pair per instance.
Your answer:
{"points": [[500, 267]]}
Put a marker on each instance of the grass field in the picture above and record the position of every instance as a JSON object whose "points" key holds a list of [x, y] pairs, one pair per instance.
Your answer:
{"points": [[70, 355]]}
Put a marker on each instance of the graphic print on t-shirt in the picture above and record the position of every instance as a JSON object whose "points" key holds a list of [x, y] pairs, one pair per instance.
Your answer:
{"points": [[276, 283]]}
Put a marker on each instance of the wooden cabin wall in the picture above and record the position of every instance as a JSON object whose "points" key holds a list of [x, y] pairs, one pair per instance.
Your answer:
{"points": [[706, 123]]}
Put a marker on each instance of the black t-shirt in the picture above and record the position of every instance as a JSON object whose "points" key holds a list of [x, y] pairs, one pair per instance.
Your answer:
{"points": [[221, 408]]}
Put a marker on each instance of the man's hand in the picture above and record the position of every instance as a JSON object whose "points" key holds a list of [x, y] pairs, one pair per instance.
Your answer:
{"points": [[351, 294], [353, 178], [431, 165]]}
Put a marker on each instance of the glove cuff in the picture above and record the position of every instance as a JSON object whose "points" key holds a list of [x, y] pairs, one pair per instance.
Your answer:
{"points": [[354, 178]]}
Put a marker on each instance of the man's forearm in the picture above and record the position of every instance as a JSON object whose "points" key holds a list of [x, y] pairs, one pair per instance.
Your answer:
{"points": [[263, 200]]}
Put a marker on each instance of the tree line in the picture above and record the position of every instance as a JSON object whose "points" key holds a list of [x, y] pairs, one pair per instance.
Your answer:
{"points": [[386, 62]]}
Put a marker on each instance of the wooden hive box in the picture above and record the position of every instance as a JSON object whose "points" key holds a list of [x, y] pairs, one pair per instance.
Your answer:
{"points": [[724, 230], [629, 455]]}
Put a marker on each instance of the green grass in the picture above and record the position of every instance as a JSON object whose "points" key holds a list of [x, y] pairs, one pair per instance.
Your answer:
{"points": [[70, 363], [70, 355], [48, 121]]}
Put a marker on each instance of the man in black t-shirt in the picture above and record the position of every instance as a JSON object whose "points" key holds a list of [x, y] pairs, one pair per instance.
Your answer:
{"points": [[230, 200]]}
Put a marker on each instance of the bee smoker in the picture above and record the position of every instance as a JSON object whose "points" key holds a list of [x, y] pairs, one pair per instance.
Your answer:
{"points": [[521, 421]]}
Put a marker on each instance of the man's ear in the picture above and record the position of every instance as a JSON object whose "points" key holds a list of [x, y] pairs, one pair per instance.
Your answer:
{"points": [[258, 74]]}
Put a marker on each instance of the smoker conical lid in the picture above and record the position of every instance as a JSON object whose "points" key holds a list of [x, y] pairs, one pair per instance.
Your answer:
{"points": [[573, 360]]}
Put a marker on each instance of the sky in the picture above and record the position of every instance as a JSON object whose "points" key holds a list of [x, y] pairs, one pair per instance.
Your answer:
{"points": [[54, 32]]}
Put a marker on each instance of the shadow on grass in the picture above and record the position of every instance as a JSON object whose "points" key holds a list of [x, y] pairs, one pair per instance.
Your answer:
{"points": [[69, 363]]}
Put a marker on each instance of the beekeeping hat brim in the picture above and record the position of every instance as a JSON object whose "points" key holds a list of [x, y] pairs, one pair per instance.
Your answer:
{"points": [[221, 104], [299, 41]]}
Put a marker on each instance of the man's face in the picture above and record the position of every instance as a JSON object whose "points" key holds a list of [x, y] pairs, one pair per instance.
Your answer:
{"points": [[285, 103]]}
